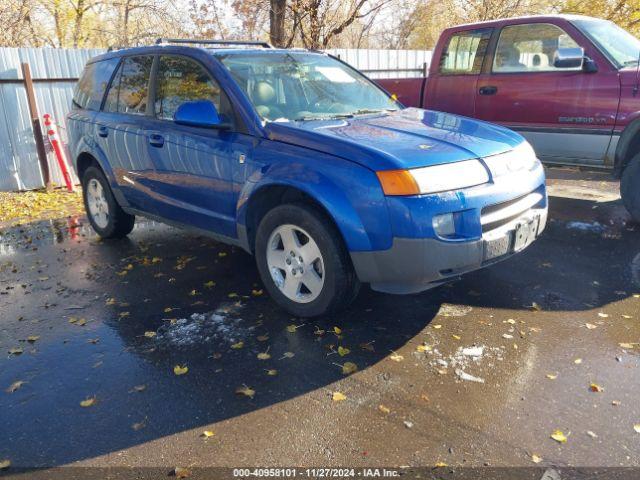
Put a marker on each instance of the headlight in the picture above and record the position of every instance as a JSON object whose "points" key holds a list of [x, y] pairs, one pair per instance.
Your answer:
{"points": [[439, 178], [521, 158]]}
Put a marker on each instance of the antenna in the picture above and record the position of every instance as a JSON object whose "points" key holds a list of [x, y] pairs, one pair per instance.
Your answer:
{"points": [[635, 87]]}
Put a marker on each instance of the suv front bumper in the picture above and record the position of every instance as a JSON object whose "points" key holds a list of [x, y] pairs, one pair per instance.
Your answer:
{"points": [[413, 265]]}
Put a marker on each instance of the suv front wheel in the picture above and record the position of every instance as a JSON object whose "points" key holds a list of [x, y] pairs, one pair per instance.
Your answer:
{"points": [[303, 262], [105, 215], [630, 187]]}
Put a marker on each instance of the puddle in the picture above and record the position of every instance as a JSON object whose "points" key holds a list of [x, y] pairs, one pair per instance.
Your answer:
{"points": [[220, 326]]}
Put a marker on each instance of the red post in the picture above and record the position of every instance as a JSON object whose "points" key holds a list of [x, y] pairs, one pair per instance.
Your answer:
{"points": [[57, 148]]}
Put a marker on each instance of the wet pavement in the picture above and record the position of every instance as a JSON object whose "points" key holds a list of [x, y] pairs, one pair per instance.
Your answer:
{"points": [[479, 372]]}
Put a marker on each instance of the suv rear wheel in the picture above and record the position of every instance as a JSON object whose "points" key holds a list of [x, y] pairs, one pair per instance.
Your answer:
{"points": [[105, 215], [303, 262], [630, 187]]}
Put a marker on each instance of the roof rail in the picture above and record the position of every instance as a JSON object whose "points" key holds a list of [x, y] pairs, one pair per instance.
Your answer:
{"points": [[213, 42]]}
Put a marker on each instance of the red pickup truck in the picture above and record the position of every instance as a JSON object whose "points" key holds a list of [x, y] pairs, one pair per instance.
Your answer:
{"points": [[569, 84]]}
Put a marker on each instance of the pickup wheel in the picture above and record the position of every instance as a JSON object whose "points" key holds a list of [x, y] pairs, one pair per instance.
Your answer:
{"points": [[105, 215], [630, 187], [303, 262]]}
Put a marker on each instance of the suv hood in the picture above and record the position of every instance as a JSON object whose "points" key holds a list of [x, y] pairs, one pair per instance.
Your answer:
{"points": [[409, 138]]}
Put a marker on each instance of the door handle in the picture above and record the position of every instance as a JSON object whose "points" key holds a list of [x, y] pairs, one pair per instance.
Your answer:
{"points": [[103, 131], [156, 140], [488, 90]]}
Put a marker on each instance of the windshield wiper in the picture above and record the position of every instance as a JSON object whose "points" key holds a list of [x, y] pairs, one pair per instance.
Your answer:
{"points": [[364, 111], [327, 117]]}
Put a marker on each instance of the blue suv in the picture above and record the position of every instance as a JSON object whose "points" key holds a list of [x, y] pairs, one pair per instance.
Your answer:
{"points": [[302, 161]]}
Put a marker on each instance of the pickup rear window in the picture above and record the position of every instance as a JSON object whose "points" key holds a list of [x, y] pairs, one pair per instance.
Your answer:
{"points": [[464, 52], [93, 82]]}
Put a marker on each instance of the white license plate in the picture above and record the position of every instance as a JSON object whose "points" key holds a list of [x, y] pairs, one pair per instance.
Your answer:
{"points": [[525, 233]]}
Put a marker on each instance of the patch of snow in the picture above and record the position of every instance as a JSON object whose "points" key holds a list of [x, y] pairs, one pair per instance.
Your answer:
{"points": [[449, 310], [222, 325], [586, 226], [462, 375]]}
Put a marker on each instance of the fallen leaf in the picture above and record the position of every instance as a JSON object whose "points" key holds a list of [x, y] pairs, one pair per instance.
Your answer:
{"points": [[396, 357], [318, 331], [437, 327], [4, 464], [337, 330], [138, 426], [292, 328], [342, 351], [180, 369], [233, 295], [534, 307], [257, 293], [594, 387], [209, 284], [627, 345], [33, 338], [349, 368], [559, 437], [207, 434], [246, 391], [194, 293], [15, 351], [180, 472], [603, 315], [636, 427], [264, 355], [338, 397], [507, 336], [140, 388], [536, 458], [384, 409], [262, 338], [110, 301], [15, 386], [150, 334], [616, 403], [423, 348], [123, 314], [272, 372], [237, 346], [552, 376], [456, 337], [627, 316], [440, 465], [577, 361], [168, 310], [88, 402], [288, 355], [591, 434], [590, 326]]}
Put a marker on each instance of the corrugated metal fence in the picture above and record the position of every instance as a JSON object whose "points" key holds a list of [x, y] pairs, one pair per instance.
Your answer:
{"points": [[55, 72]]}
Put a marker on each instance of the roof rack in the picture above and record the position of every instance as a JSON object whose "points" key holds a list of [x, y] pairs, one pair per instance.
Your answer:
{"points": [[213, 42]]}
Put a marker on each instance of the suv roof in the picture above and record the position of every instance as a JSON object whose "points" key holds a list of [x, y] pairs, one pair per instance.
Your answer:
{"points": [[184, 45]]}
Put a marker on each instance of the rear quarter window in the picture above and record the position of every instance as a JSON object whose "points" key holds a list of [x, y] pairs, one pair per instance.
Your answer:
{"points": [[93, 83]]}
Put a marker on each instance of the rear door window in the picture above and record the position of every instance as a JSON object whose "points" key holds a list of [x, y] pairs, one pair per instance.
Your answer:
{"points": [[530, 48], [464, 52], [93, 82], [181, 80], [129, 91]]}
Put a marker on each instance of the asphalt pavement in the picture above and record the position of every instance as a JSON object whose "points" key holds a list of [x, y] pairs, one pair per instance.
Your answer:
{"points": [[163, 350]]}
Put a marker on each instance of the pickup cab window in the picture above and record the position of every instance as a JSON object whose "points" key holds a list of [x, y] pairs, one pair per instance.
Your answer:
{"points": [[530, 48], [622, 48], [465, 52]]}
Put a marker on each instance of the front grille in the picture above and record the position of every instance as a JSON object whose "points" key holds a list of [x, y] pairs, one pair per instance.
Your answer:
{"points": [[499, 214]]}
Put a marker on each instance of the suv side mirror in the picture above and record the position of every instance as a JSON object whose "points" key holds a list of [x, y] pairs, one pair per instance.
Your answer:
{"points": [[199, 113], [568, 57]]}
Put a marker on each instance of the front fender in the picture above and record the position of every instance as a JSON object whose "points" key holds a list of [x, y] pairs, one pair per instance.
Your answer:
{"points": [[349, 193]]}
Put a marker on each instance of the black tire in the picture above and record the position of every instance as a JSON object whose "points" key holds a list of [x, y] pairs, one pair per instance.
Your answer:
{"points": [[341, 284], [630, 187], [119, 223]]}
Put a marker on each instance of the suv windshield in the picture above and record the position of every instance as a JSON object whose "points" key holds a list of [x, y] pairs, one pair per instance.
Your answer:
{"points": [[298, 86], [620, 46]]}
